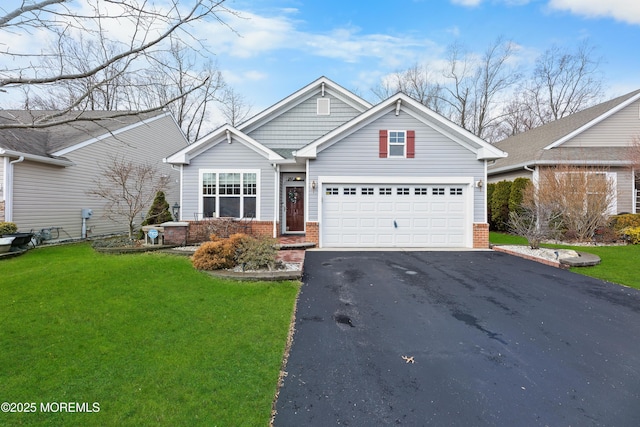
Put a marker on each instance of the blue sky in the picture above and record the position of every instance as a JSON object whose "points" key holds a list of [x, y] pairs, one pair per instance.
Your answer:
{"points": [[282, 45]]}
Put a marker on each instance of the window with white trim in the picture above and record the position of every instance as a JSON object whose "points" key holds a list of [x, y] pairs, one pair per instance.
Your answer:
{"points": [[331, 191], [229, 194], [397, 143]]}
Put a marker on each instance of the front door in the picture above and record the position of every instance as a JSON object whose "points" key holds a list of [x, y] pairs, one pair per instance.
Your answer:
{"points": [[295, 208]]}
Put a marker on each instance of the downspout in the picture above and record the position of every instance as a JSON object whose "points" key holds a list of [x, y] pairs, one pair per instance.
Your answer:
{"points": [[8, 197], [276, 202]]}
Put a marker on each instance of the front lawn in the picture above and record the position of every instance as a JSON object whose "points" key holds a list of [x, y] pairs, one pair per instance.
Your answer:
{"points": [[619, 264], [146, 337]]}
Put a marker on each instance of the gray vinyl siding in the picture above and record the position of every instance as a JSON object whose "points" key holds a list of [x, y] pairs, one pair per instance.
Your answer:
{"points": [[2, 183], [510, 176], [228, 156], [617, 130], [435, 156], [302, 125], [46, 195], [625, 197]]}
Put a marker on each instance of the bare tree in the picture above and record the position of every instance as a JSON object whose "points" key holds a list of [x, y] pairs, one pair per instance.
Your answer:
{"points": [[235, 107], [478, 86], [563, 82], [634, 153], [469, 90], [144, 29], [128, 189], [535, 220], [180, 71], [576, 199], [419, 82]]}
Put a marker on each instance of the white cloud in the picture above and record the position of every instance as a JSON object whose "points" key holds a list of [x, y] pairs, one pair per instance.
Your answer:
{"points": [[621, 10], [467, 3]]}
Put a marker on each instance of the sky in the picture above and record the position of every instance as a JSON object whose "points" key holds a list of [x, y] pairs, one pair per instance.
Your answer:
{"points": [[282, 45], [268, 49]]}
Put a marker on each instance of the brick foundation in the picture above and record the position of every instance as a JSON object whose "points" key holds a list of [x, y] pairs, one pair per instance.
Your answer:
{"points": [[481, 235], [312, 232], [176, 234], [199, 231]]}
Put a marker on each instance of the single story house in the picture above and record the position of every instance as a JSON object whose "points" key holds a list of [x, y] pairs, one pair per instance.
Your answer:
{"points": [[45, 174], [325, 163], [598, 137]]}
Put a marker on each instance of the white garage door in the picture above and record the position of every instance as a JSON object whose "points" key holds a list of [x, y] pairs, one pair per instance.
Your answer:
{"points": [[380, 215]]}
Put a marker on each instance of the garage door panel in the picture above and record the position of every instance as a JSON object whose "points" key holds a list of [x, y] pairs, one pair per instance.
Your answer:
{"points": [[386, 215]]}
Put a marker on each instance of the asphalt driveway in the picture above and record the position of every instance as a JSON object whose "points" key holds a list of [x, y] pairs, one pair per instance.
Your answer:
{"points": [[495, 340]]}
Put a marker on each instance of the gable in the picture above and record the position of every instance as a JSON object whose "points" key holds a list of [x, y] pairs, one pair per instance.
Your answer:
{"points": [[302, 124], [616, 130], [390, 115], [225, 135], [434, 154]]}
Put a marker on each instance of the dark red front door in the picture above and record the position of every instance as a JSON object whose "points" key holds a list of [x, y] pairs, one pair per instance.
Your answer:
{"points": [[295, 208]]}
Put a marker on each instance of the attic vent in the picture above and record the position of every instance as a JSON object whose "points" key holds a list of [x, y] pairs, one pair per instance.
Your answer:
{"points": [[324, 106]]}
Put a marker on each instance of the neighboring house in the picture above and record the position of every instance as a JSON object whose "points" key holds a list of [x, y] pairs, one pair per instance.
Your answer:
{"points": [[45, 174], [598, 138], [325, 163]]}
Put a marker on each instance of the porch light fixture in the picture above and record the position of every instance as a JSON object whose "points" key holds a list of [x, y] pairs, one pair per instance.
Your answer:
{"points": [[313, 185], [479, 183], [176, 210]]}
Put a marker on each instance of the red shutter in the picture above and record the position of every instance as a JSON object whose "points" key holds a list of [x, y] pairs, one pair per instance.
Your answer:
{"points": [[411, 144], [383, 144]]}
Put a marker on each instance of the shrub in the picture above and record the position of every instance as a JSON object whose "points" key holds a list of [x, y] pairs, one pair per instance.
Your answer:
{"points": [[218, 253], [257, 253], [490, 189], [158, 212], [620, 222], [500, 205], [8, 228], [633, 233], [516, 194]]}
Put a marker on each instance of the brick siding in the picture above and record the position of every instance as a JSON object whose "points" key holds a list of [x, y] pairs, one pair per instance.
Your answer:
{"points": [[480, 235], [312, 232]]}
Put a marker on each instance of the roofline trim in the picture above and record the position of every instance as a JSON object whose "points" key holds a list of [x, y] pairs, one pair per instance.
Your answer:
{"points": [[558, 162], [311, 87], [453, 131], [185, 155], [593, 122], [36, 158]]}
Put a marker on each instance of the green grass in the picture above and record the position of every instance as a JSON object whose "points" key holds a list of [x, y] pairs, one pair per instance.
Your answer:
{"points": [[146, 336], [619, 264]]}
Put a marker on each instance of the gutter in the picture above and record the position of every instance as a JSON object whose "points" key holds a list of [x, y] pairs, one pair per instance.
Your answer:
{"points": [[36, 158], [8, 191]]}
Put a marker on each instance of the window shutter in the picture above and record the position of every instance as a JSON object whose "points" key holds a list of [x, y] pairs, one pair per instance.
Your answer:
{"points": [[383, 144], [411, 144]]}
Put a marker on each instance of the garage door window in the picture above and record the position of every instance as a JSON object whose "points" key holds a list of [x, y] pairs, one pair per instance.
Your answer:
{"points": [[455, 191], [367, 191], [332, 191], [402, 191], [437, 191], [421, 191], [385, 191]]}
